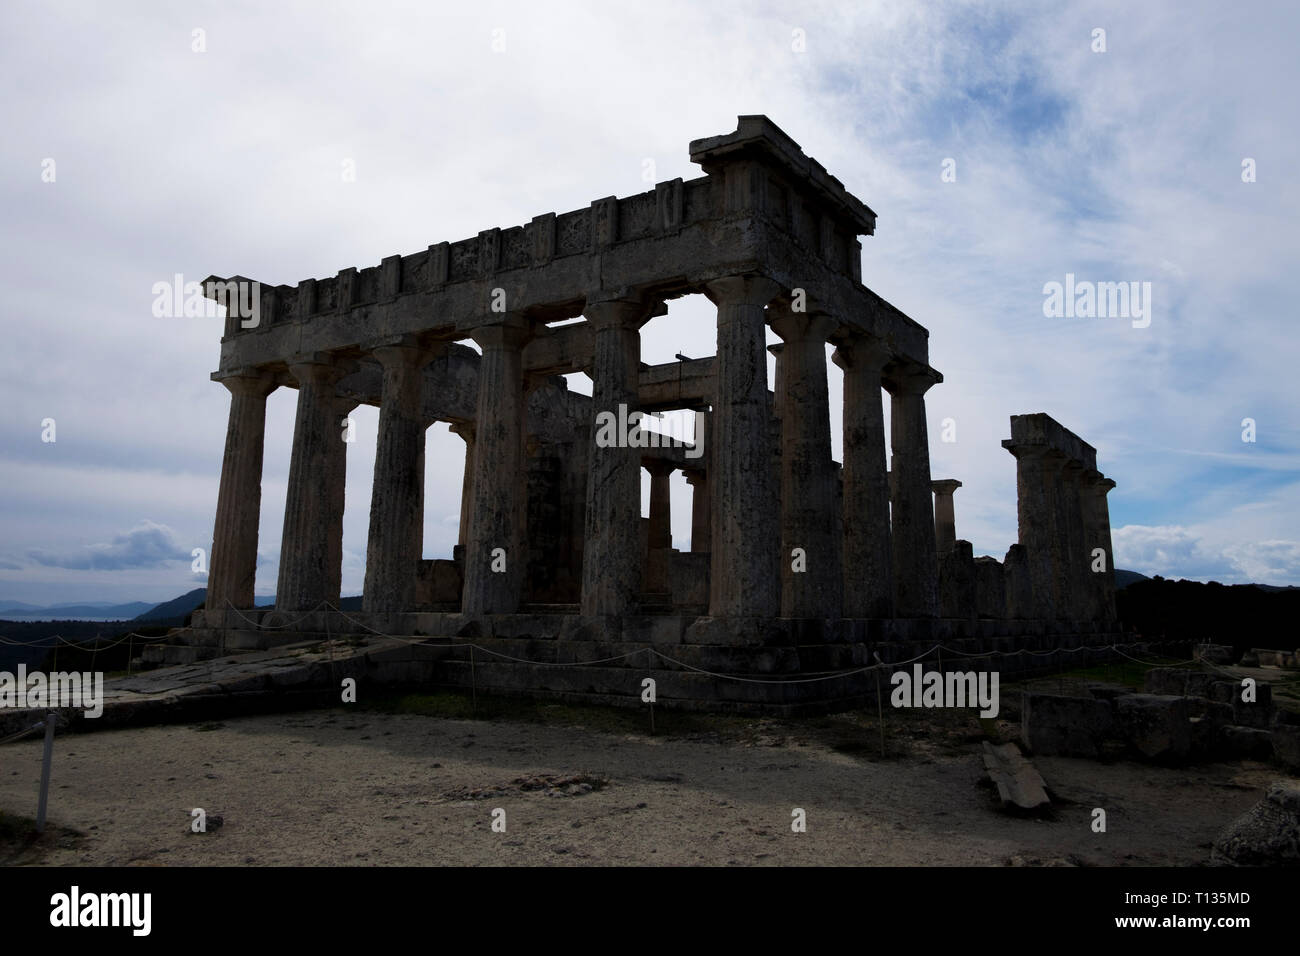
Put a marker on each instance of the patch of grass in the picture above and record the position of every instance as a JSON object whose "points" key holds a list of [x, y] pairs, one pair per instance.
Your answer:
{"points": [[455, 705]]}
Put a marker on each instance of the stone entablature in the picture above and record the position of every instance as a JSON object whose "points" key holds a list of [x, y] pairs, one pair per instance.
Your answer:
{"points": [[764, 208]]}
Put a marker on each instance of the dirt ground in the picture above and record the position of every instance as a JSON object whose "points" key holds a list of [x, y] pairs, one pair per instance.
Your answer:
{"points": [[587, 786]]}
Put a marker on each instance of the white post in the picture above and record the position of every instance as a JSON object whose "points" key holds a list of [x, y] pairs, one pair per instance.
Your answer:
{"points": [[45, 771]]}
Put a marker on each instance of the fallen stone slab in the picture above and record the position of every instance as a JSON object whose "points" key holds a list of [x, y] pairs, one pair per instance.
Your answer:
{"points": [[1019, 784], [1268, 834]]}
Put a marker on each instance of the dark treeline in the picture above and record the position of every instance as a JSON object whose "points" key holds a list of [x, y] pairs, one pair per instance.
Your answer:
{"points": [[1243, 615]]}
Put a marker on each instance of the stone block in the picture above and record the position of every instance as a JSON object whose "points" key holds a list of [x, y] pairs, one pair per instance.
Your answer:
{"points": [[1286, 746], [1155, 725], [1249, 743], [1052, 724]]}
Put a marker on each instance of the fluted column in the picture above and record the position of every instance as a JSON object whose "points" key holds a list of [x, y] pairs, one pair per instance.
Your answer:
{"points": [[232, 567], [1054, 475], [661, 530], [945, 520], [466, 431], [659, 540], [701, 520], [396, 539], [1097, 522], [313, 506], [808, 477], [496, 558], [1077, 567], [916, 570], [744, 575], [1036, 525], [868, 550], [611, 559]]}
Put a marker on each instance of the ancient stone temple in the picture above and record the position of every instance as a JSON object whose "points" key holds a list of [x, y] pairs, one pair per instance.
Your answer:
{"points": [[798, 564]]}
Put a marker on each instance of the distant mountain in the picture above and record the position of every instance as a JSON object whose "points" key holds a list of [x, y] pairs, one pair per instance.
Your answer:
{"points": [[71, 612], [174, 609], [18, 606], [1124, 578]]}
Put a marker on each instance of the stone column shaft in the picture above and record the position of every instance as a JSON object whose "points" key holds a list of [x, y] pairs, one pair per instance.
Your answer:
{"points": [[466, 431], [868, 549], [396, 540], [1036, 525], [311, 544], [945, 520], [744, 575], [1097, 518], [611, 560], [232, 568], [701, 520], [661, 530], [1061, 545], [1080, 602], [916, 569], [808, 476], [500, 479]]}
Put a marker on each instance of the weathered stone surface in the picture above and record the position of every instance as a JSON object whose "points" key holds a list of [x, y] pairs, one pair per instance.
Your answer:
{"points": [[1053, 724], [1221, 654], [1266, 835], [1286, 745], [1155, 725], [1020, 786]]}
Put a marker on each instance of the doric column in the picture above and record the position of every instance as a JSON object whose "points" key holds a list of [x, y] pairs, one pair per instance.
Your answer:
{"points": [[744, 575], [232, 567], [611, 559], [778, 378], [808, 477], [1036, 526], [1054, 475], [313, 505], [945, 521], [396, 539], [466, 431], [1080, 595], [916, 568], [661, 531], [496, 559], [659, 540], [868, 551], [1097, 525], [701, 521]]}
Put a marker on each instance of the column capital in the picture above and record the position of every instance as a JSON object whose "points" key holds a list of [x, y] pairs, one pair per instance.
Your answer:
{"points": [[316, 371], [512, 332], [910, 379], [695, 476], [944, 486], [658, 467], [605, 310], [753, 290], [1023, 451], [862, 351], [801, 326], [465, 430], [247, 381]]}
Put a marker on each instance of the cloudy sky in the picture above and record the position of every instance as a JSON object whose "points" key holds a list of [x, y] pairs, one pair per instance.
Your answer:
{"points": [[129, 156]]}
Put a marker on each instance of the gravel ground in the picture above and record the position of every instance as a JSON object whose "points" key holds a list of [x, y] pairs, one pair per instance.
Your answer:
{"points": [[368, 788]]}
